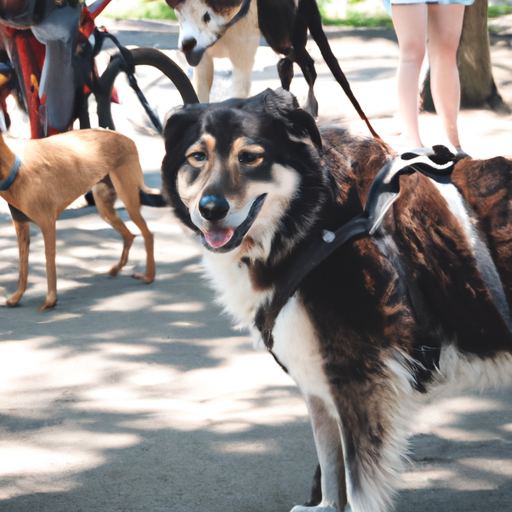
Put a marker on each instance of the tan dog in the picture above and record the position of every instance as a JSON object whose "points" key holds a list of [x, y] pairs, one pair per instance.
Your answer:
{"points": [[57, 170]]}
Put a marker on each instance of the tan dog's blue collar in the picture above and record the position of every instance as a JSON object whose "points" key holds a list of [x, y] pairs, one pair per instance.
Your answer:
{"points": [[12, 175]]}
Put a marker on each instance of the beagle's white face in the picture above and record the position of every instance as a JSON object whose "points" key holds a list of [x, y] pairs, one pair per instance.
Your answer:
{"points": [[201, 25]]}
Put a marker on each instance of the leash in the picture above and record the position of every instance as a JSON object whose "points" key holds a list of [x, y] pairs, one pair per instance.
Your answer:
{"points": [[383, 193], [12, 175]]}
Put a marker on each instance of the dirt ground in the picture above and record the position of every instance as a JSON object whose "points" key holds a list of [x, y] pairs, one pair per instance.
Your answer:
{"points": [[131, 398]]}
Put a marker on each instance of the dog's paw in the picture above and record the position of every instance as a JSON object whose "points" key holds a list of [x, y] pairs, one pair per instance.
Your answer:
{"points": [[143, 277], [48, 306], [13, 301]]}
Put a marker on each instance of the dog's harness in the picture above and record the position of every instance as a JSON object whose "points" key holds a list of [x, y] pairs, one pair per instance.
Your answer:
{"points": [[12, 175], [240, 14], [383, 193]]}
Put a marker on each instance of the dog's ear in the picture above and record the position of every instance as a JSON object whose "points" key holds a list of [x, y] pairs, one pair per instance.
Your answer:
{"points": [[182, 129], [174, 3], [282, 104], [179, 123]]}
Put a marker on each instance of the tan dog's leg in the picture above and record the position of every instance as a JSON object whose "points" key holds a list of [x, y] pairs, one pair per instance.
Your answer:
{"points": [[23, 235], [128, 191], [105, 197], [137, 218], [48, 229]]}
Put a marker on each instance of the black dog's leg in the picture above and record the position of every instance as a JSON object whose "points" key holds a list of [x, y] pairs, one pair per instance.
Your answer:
{"points": [[285, 70], [308, 12], [303, 58]]}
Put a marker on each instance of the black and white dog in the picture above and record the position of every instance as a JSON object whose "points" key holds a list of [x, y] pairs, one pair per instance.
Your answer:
{"points": [[372, 280], [231, 28]]}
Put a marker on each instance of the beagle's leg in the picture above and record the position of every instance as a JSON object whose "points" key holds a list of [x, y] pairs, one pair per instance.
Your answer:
{"points": [[203, 78], [330, 455], [243, 62], [105, 197], [23, 234]]}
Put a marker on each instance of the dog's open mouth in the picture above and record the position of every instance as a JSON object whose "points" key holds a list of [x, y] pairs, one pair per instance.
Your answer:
{"points": [[227, 239], [218, 237]]}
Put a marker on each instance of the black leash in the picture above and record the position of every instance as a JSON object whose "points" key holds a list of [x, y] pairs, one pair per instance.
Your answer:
{"points": [[240, 14], [383, 193]]}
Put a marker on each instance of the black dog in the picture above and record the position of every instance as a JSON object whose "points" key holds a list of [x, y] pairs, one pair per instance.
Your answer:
{"points": [[371, 280]]}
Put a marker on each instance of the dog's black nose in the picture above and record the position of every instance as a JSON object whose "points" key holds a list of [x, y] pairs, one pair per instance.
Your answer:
{"points": [[213, 208], [188, 45]]}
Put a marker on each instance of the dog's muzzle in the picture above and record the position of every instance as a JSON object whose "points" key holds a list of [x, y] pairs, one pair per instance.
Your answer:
{"points": [[218, 238], [192, 53]]}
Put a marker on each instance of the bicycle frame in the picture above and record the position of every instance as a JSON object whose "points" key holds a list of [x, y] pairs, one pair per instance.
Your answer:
{"points": [[27, 56]]}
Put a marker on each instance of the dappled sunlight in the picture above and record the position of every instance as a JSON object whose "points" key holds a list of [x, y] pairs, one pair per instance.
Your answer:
{"points": [[191, 307], [134, 301], [142, 397]]}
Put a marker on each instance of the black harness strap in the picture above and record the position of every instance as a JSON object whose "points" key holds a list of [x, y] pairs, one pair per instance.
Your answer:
{"points": [[383, 193], [240, 14]]}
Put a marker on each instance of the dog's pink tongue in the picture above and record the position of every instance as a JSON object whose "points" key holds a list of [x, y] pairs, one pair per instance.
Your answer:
{"points": [[218, 237]]}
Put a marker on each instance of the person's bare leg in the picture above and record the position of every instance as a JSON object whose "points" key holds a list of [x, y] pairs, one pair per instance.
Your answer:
{"points": [[444, 29], [410, 22]]}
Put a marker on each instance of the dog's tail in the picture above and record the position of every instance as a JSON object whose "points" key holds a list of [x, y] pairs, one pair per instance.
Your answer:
{"points": [[308, 9], [152, 197], [148, 197]]}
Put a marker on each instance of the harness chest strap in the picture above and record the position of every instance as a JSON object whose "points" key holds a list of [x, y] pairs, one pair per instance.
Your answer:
{"points": [[12, 175], [383, 193]]}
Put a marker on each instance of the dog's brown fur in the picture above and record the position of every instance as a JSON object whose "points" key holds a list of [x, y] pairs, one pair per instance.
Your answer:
{"points": [[57, 170]]}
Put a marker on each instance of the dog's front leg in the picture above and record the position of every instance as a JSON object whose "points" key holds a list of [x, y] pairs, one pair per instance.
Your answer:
{"points": [[48, 229], [330, 455], [375, 415], [203, 77], [23, 235], [243, 62]]}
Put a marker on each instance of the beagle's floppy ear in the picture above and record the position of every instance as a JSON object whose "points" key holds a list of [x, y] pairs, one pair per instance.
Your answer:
{"points": [[174, 3], [283, 105]]}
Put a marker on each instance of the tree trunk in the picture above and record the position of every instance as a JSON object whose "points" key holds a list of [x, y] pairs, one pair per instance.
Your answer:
{"points": [[477, 86]]}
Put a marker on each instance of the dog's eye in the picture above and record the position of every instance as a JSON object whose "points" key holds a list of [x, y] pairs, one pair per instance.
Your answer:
{"points": [[247, 158], [197, 158], [207, 17]]}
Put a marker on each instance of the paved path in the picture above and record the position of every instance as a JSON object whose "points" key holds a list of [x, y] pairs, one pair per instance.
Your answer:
{"points": [[131, 398]]}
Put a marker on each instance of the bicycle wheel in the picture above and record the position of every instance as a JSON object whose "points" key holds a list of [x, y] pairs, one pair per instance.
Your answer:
{"points": [[162, 82]]}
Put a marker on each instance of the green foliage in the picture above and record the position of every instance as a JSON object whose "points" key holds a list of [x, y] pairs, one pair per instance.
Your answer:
{"points": [[139, 9], [359, 19], [356, 17], [495, 11]]}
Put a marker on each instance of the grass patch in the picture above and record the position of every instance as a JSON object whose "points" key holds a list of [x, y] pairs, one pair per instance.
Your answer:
{"points": [[359, 19], [159, 10], [140, 10], [495, 11]]}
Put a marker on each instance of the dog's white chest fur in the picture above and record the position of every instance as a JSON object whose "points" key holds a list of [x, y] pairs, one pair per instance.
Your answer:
{"points": [[296, 345]]}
